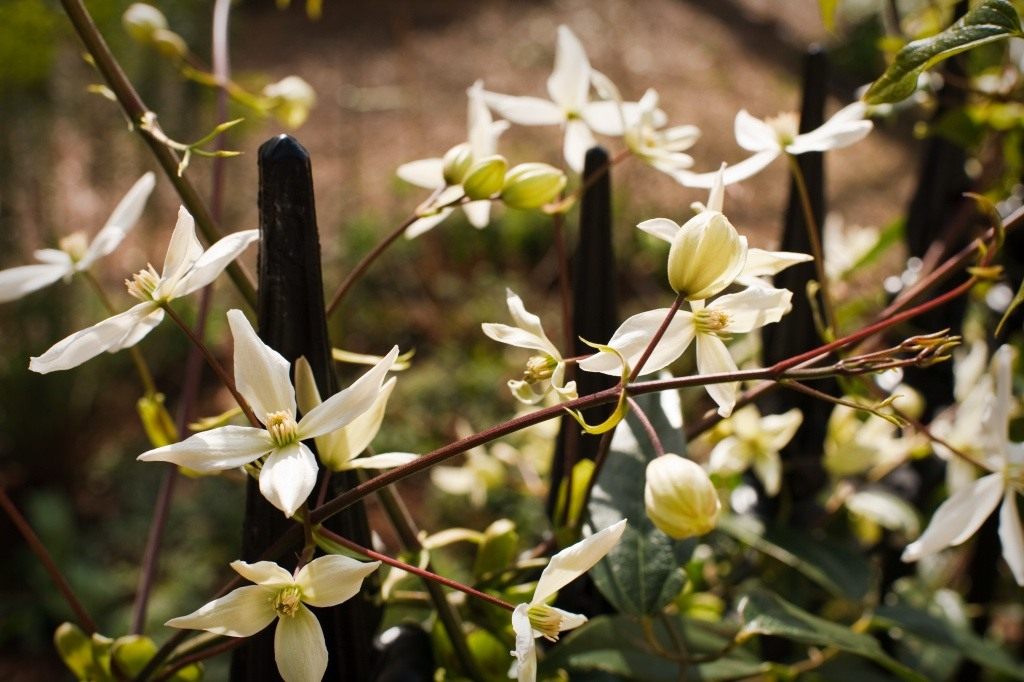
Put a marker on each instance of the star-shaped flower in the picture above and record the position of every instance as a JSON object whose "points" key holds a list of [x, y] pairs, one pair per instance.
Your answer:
{"points": [[773, 137], [569, 106], [545, 372], [299, 647], [76, 254], [960, 516], [187, 268], [430, 173], [755, 441], [662, 148], [288, 473], [538, 619]]}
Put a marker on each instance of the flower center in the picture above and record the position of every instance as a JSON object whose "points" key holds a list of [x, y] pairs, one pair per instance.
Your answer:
{"points": [[287, 601], [786, 126], [143, 284], [282, 427], [75, 245], [545, 620], [710, 321], [539, 368]]}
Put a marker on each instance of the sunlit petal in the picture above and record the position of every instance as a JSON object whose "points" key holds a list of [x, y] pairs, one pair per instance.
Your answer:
{"points": [[575, 560], [220, 449], [527, 111], [713, 357], [239, 613], [265, 573], [344, 406], [123, 219], [24, 279], [88, 343], [958, 517], [299, 647], [261, 373], [213, 261], [1011, 535], [425, 173], [330, 580], [569, 83]]}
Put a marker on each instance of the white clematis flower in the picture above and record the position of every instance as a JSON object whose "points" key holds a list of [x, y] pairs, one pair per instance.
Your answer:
{"points": [[430, 173], [570, 105], [755, 441], [187, 268], [545, 372], [773, 137], [76, 254], [709, 325], [662, 148], [299, 647], [960, 516], [537, 619], [288, 473]]}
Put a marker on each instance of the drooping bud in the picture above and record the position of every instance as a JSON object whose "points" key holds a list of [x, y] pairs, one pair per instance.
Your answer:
{"points": [[291, 99], [680, 498], [707, 254], [532, 185], [142, 21], [457, 161], [485, 178], [169, 44]]}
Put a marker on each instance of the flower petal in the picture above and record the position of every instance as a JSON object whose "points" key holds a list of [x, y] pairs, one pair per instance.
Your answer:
{"points": [[339, 449], [958, 517], [213, 261], [24, 279], [737, 172], [1012, 536], [220, 449], [569, 83], [261, 373], [299, 647], [88, 343], [344, 406], [123, 219], [527, 111], [662, 228], [288, 476], [386, 460], [753, 134], [526, 647], [574, 561], [182, 251], [265, 573], [139, 331], [609, 117], [578, 139], [425, 173], [478, 212], [427, 223], [330, 580], [768, 467], [632, 337], [239, 613], [483, 130], [846, 127], [762, 263], [753, 308], [713, 358]]}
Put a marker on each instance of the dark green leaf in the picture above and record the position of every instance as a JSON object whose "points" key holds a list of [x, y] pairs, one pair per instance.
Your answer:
{"points": [[989, 21], [642, 574], [766, 613]]}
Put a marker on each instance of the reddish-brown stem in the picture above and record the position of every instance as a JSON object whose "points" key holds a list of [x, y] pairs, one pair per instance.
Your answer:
{"points": [[656, 338], [365, 263], [648, 427]]}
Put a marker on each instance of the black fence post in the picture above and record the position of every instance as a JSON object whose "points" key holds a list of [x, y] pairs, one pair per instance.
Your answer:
{"points": [[291, 320], [803, 474], [594, 313]]}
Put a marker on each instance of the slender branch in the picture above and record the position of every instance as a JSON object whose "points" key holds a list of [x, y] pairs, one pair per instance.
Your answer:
{"points": [[49, 565], [603, 448], [135, 109], [656, 338], [648, 427], [366, 262], [564, 285], [828, 304]]}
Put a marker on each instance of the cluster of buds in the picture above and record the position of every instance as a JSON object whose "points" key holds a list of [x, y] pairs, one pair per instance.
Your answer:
{"points": [[148, 26]]}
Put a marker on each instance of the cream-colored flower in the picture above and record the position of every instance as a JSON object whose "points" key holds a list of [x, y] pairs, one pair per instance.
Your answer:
{"points": [[679, 497], [755, 441]]}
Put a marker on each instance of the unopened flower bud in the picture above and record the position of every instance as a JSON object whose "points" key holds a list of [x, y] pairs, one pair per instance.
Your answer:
{"points": [[485, 178], [142, 21], [169, 44], [457, 161], [531, 185], [292, 98], [707, 254], [679, 497]]}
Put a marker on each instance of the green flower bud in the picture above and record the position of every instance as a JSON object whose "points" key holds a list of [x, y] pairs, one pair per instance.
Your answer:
{"points": [[142, 21], [680, 498], [169, 44], [457, 161], [707, 254], [485, 178], [291, 99], [531, 185]]}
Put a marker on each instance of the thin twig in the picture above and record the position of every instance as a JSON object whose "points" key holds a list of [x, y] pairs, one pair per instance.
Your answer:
{"points": [[816, 250], [365, 263]]}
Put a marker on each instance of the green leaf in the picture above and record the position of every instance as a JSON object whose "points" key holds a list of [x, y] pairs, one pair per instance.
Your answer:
{"points": [[835, 568], [642, 573], [989, 21], [946, 634], [766, 613], [616, 645]]}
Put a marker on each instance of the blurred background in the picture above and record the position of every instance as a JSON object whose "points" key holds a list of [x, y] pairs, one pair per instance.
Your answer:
{"points": [[390, 80]]}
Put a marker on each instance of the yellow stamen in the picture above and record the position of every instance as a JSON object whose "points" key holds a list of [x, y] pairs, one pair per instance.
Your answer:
{"points": [[287, 601], [143, 284], [282, 427]]}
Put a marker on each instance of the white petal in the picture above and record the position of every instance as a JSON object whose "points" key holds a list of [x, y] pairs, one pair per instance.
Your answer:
{"points": [[299, 647], [998, 407], [338, 449], [578, 139], [1012, 536], [768, 467], [569, 83], [265, 573], [214, 260], [632, 337], [527, 111], [846, 127], [569, 620], [123, 219], [713, 358], [753, 308], [54, 257], [421, 225], [330, 580], [514, 336], [526, 648], [958, 517], [762, 263], [220, 449], [483, 131], [426, 173], [662, 228], [753, 134], [239, 613], [574, 561], [138, 332], [778, 429], [306, 393], [88, 343], [737, 172], [344, 406], [182, 251], [261, 373], [23, 280], [478, 212], [387, 460], [729, 456], [288, 476], [607, 118]]}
